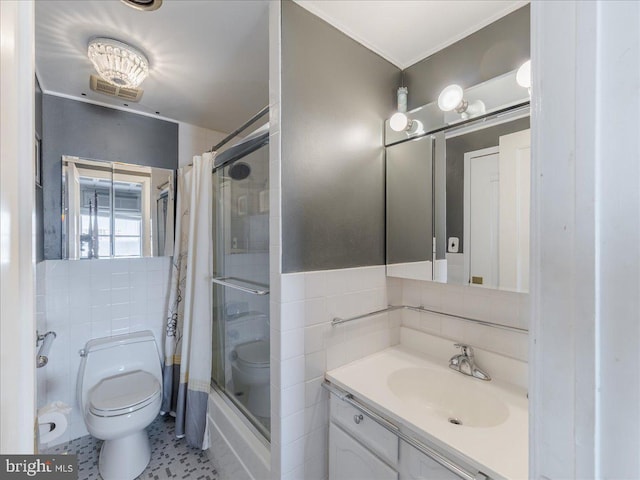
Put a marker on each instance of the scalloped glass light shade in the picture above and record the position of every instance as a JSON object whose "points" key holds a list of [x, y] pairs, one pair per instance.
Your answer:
{"points": [[118, 63]]}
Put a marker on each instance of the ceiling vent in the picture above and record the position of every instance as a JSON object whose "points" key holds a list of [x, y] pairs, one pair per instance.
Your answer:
{"points": [[144, 5], [99, 85]]}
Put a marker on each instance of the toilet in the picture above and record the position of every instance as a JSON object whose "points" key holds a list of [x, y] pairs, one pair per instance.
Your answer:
{"points": [[119, 390], [250, 370]]}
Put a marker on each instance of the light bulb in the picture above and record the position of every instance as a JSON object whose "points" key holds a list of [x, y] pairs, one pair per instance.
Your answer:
{"points": [[450, 98], [399, 122], [523, 75]]}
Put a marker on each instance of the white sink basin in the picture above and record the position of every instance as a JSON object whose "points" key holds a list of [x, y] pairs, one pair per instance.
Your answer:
{"points": [[453, 398]]}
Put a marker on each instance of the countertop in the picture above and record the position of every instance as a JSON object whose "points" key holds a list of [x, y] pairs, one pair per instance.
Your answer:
{"points": [[499, 451]]}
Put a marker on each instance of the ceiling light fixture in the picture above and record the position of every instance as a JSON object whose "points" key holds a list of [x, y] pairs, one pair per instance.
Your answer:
{"points": [[118, 63], [452, 98], [523, 75], [399, 121]]}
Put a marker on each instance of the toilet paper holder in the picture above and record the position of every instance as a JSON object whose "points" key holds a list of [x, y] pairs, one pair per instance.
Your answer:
{"points": [[52, 421], [43, 353]]}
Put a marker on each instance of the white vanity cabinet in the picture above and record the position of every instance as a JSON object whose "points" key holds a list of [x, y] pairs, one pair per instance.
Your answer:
{"points": [[359, 448], [415, 465], [362, 449], [350, 460]]}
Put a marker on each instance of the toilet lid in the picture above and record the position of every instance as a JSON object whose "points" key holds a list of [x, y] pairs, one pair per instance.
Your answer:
{"points": [[123, 393], [254, 353]]}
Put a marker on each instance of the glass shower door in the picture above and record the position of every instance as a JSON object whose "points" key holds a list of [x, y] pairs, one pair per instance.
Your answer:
{"points": [[241, 286]]}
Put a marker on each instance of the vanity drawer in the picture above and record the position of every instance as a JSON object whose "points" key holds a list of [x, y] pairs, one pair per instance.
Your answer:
{"points": [[366, 430]]}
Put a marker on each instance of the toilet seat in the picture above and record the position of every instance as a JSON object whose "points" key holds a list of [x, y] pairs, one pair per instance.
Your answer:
{"points": [[123, 394], [253, 354]]}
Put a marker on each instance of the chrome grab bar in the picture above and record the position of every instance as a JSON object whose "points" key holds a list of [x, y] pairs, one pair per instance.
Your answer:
{"points": [[224, 281], [391, 308], [338, 320], [389, 425]]}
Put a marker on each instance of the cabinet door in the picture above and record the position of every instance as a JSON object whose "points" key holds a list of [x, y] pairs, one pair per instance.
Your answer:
{"points": [[349, 460], [374, 437], [415, 465]]}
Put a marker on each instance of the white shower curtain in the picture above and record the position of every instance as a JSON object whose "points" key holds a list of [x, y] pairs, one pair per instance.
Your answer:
{"points": [[187, 368]]}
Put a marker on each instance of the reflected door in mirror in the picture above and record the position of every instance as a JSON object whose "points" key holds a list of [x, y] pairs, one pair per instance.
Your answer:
{"points": [[482, 191], [495, 250]]}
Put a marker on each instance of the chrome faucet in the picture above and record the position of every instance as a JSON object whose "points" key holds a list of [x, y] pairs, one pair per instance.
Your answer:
{"points": [[465, 363]]}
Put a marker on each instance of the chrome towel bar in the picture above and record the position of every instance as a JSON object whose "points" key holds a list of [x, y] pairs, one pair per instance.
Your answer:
{"points": [[229, 282], [391, 308]]}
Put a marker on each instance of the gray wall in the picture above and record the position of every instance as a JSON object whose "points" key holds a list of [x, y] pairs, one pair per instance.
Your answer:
{"points": [[498, 48], [336, 96], [409, 201], [90, 131]]}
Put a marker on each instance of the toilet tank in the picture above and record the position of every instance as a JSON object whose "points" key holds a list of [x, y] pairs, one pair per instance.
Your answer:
{"points": [[109, 356]]}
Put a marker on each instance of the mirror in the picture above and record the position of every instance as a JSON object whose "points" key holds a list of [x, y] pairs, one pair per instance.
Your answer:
{"points": [[487, 179], [409, 209], [116, 210], [458, 192]]}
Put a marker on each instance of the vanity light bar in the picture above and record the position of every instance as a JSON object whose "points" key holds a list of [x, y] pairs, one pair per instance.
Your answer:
{"points": [[492, 120], [391, 308]]}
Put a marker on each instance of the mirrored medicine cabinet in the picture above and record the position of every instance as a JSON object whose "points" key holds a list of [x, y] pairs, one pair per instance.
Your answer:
{"points": [[458, 208], [116, 210]]}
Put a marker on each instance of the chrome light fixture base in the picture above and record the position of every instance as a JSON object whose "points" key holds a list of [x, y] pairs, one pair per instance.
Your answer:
{"points": [[143, 5]]}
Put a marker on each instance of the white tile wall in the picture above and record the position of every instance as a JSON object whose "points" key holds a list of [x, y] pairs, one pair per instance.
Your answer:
{"points": [[499, 367], [85, 299], [507, 308], [307, 345]]}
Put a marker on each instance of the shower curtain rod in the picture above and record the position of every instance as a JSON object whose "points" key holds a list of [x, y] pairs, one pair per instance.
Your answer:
{"points": [[232, 135]]}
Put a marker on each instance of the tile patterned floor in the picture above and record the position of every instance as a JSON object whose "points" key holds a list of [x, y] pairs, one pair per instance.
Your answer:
{"points": [[170, 457]]}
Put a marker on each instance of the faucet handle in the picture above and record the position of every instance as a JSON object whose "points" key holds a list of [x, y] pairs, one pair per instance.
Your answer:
{"points": [[467, 350]]}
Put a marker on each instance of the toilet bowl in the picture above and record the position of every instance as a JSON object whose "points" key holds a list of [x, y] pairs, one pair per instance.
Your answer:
{"points": [[119, 390], [250, 370]]}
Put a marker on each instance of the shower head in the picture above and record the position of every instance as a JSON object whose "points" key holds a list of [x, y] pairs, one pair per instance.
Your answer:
{"points": [[239, 170]]}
